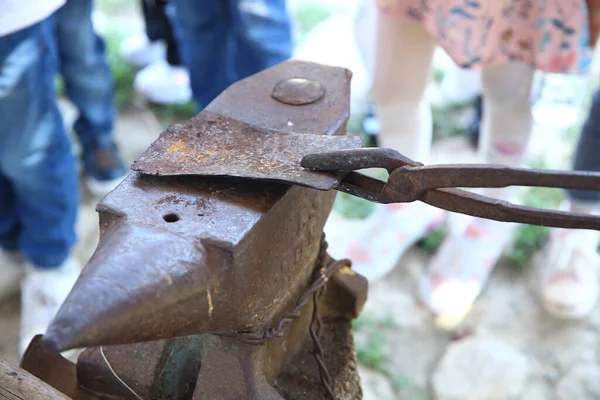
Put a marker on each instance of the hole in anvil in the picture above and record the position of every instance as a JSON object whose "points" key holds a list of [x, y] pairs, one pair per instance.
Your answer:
{"points": [[171, 217]]}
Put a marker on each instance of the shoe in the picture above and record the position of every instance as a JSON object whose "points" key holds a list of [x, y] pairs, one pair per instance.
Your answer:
{"points": [[569, 274], [42, 293], [162, 83], [139, 51], [11, 267], [460, 269], [104, 169]]}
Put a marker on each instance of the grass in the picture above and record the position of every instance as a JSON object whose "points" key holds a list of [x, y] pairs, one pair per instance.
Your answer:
{"points": [[373, 351], [308, 15], [166, 114], [372, 348], [122, 72], [124, 75], [431, 242], [352, 207], [530, 239], [113, 5]]}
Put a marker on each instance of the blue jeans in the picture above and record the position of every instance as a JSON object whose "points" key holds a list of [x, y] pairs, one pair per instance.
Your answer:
{"points": [[223, 41], [86, 74], [38, 182]]}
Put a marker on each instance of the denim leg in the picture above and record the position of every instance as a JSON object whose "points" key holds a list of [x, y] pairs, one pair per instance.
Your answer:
{"points": [[587, 155], [35, 153], [262, 32], [158, 27], [9, 224], [200, 26], [88, 80]]}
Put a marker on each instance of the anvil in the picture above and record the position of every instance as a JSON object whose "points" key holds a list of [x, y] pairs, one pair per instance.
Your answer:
{"points": [[198, 263]]}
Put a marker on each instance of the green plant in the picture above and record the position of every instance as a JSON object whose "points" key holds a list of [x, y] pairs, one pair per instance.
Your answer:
{"points": [[352, 207], [530, 238], [406, 388], [59, 85], [309, 14], [113, 5], [123, 73], [438, 74], [433, 240], [354, 125], [374, 351], [168, 114]]}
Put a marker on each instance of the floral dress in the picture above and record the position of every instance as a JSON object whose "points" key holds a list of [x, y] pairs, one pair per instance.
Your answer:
{"points": [[546, 34]]}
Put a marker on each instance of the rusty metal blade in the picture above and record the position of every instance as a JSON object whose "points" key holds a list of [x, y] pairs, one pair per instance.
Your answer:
{"points": [[213, 145]]}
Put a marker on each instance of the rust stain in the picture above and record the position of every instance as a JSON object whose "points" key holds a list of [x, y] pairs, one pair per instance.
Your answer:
{"points": [[177, 147], [210, 303]]}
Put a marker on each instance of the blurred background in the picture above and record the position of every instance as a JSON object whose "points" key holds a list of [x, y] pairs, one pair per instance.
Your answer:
{"points": [[404, 352]]}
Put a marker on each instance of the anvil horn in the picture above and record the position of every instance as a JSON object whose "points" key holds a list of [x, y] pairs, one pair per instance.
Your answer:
{"points": [[128, 289]]}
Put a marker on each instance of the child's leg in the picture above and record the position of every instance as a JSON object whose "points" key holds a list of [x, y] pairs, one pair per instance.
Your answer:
{"points": [[402, 71], [461, 267]]}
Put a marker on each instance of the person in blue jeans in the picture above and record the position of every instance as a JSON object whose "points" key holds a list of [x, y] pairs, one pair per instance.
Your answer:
{"points": [[223, 41], [89, 85], [38, 179]]}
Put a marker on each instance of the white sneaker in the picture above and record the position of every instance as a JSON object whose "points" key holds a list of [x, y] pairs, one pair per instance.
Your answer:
{"points": [[11, 271], [139, 51], [162, 83], [569, 274], [42, 293], [99, 189]]}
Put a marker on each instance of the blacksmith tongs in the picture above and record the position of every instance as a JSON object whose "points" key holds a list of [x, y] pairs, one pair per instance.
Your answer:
{"points": [[436, 185]]}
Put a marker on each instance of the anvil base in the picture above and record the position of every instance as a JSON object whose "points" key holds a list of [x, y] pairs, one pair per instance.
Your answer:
{"points": [[168, 369]]}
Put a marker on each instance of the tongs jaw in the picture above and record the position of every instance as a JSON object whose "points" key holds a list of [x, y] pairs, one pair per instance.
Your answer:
{"points": [[436, 185]]}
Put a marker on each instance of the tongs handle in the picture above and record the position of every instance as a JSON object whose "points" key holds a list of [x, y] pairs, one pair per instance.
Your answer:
{"points": [[464, 202], [436, 185], [495, 176]]}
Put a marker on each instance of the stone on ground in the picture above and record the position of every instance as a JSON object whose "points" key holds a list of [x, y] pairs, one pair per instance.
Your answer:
{"points": [[482, 368], [375, 385], [582, 382]]}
